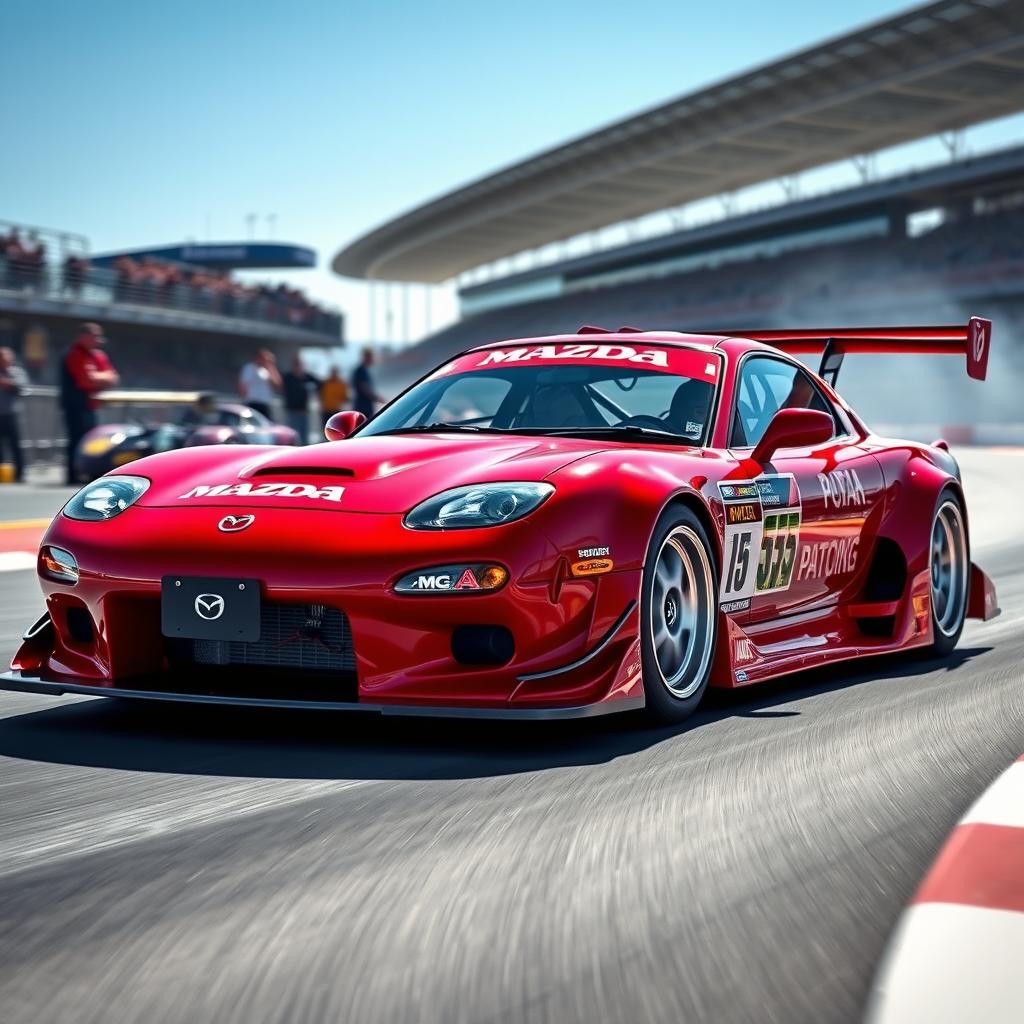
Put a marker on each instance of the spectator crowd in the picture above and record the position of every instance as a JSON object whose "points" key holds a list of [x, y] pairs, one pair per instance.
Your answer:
{"points": [[152, 281], [24, 259]]}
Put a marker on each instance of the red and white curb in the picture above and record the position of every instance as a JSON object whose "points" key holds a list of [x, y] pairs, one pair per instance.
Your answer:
{"points": [[19, 542], [958, 953]]}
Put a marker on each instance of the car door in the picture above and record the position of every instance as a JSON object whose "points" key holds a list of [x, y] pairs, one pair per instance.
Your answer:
{"points": [[814, 503]]}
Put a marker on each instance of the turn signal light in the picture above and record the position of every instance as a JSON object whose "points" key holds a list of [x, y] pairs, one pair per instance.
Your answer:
{"points": [[492, 577], [58, 565]]}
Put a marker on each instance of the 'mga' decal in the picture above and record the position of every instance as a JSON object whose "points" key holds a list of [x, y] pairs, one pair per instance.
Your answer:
{"points": [[265, 491], [624, 353]]}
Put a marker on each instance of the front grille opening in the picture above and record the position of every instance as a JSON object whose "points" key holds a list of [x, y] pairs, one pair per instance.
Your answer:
{"points": [[254, 683], [482, 645], [79, 623], [304, 652]]}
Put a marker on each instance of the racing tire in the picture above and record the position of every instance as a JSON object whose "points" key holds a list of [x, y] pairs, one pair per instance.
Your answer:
{"points": [[678, 616], [949, 570]]}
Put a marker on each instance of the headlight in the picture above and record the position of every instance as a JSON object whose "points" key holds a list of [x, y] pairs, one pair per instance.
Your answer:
{"points": [[463, 508], [101, 445], [105, 498]]}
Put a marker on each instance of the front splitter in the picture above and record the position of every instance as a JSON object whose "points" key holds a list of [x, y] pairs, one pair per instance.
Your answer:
{"points": [[21, 683]]}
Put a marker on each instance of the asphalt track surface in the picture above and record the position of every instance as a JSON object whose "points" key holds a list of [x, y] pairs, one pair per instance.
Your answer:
{"points": [[239, 865]]}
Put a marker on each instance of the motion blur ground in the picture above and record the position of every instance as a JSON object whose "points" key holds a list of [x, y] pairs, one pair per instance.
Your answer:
{"points": [[179, 866]]}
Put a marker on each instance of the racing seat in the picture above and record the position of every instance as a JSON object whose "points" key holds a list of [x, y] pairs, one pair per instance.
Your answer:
{"points": [[555, 405], [689, 406]]}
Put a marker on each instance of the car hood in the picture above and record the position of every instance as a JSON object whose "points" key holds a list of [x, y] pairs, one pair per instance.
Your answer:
{"points": [[373, 474]]}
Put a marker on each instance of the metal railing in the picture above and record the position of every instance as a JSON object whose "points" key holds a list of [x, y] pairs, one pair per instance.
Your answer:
{"points": [[55, 265], [64, 243], [42, 426], [104, 286]]}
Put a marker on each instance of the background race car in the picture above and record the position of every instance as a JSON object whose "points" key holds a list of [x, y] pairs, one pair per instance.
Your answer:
{"points": [[205, 420]]}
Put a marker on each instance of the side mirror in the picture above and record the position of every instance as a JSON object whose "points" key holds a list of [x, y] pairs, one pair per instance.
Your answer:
{"points": [[793, 428], [342, 424]]}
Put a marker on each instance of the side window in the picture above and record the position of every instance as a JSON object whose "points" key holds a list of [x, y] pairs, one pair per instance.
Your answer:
{"points": [[767, 385]]}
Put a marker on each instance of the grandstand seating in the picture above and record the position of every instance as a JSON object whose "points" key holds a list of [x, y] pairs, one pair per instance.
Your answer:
{"points": [[864, 281]]}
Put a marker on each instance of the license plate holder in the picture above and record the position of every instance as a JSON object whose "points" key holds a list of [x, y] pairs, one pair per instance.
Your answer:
{"points": [[210, 608]]}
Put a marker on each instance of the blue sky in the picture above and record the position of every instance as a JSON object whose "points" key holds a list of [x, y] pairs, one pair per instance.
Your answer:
{"points": [[151, 123]]}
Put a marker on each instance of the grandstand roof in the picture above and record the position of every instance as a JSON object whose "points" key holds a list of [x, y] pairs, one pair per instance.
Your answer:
{"points": [[936, 67]]}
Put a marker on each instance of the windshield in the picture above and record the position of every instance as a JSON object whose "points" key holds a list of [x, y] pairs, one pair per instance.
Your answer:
{"points": [[558, 390]]}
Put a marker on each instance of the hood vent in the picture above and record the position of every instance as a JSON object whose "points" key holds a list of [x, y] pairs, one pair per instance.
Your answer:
{"points": [[278, 471]]}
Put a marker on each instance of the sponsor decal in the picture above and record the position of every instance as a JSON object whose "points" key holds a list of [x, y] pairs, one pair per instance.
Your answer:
{"points": [[828, 558], [743, 512], [739, 490], [741, 677], [622, 353], [467, 581], [435, 581], [593, 552], [778, 492], [743, 650], [842, 489], [453, 579], [592, 567], [247, 490], [762, 531]]}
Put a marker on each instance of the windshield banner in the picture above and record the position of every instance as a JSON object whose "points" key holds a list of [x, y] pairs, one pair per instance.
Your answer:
{"points": [[698, 364]]}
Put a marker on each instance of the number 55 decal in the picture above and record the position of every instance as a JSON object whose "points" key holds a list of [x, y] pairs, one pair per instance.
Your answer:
{"points": [[778, 550]]}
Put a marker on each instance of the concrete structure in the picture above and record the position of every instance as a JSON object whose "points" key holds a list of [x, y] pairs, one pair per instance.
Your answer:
{"points": [[936, 67]]}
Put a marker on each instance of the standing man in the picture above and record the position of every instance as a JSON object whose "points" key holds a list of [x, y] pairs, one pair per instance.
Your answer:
{"points": [[13, 381], [259, 382], [296, 383], [85, 370], [333, 394], [366, 398]]}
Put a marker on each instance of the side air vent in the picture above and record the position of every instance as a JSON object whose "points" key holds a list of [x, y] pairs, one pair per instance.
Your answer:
{"points": [[277, 471], [887, 579]]}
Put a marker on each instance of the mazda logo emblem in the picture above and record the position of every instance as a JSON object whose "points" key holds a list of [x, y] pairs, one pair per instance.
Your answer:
{"points": [[233, 524], [209, 606], [979, 339]]}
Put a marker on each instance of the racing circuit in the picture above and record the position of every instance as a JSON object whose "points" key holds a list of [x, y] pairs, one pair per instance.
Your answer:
{"points": [[229, 864]]}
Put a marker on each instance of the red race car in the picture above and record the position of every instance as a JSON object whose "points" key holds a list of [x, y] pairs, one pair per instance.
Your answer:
{"points": [[544, 528]]}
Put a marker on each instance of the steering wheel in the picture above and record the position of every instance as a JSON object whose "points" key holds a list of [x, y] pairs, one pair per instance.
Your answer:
{"points": [[644, 421]]}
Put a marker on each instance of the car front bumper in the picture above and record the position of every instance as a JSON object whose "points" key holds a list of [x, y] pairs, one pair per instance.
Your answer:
{"points": [[576, 641]]}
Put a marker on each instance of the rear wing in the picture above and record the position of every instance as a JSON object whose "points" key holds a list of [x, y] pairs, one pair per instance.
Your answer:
{"points": [[972, 341]]}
